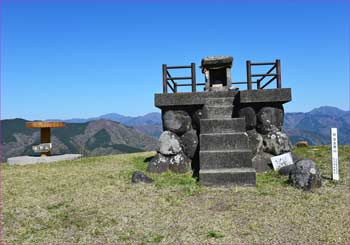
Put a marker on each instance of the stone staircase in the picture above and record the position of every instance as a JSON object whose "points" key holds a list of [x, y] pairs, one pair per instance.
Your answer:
{"points": [[225, 158]]}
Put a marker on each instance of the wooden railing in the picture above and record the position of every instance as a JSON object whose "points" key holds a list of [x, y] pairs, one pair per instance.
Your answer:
{"points": [[275, 66], [167, 77], [274, 76]]}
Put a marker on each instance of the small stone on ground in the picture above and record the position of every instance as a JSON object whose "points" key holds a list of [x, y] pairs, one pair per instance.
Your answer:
{"points": [[139, 176]]}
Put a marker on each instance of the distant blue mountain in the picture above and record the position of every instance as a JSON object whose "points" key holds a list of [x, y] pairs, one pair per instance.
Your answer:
{"points": [[313, 126]]}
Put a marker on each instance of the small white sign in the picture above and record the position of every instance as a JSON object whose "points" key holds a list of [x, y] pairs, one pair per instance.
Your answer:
{"points": [[335, 164], [45, 147], [281, 161]]}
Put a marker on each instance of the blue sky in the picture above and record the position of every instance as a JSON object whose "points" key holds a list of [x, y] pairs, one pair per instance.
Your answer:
{"points": [[64, 59]]}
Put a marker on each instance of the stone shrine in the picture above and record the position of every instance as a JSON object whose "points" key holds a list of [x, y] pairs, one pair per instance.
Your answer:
{"points": [[238, 130]]}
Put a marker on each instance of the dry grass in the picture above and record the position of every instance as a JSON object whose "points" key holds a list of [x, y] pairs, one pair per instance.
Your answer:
{"points": [[92, 201]]}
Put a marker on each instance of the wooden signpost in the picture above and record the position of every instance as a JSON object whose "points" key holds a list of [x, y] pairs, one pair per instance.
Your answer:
{"points": [[45, 135], [335, 164]]}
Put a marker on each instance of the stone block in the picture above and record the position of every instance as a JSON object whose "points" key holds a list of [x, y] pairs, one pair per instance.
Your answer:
{"points": [[225, 159], [227, 125], [210, 142], [227, 101], [280, 95], [228, 177], [211, 112]]}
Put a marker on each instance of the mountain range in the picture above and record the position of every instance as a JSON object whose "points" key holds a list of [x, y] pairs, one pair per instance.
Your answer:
{"points": [[114, 133], [93, 138], [150, 124], [314, 126]]}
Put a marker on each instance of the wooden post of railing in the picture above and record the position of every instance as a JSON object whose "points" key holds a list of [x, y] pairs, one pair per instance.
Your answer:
{"points": [[278, 72], [249, 75], [193, 75], [165, 81], [258, 84]]}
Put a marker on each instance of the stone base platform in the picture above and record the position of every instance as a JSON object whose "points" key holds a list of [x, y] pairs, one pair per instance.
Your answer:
{"points": [[24, 160]]}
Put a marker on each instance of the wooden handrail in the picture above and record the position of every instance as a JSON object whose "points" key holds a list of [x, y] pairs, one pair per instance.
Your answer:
{"points": [[275, 65], [277, 75], [167, 77]]}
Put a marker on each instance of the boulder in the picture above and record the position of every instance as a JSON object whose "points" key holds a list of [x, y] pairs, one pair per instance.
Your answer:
{"points": [[269, 118], [177, 121], [169, 143], [305, 175], [158, 164], [139, 176], [178, 163], [286, 170], [250, 117], [262, 162], [255, 141], [277, 143], [189, 142]]}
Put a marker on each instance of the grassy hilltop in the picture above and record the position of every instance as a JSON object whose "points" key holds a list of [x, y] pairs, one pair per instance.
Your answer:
{"points": [[92, 201]]}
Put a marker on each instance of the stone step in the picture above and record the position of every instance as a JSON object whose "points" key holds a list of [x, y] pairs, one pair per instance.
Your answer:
{"points": [[227, 141], [222, 94], [228, 176], [223, 125], [220, 101], [215, 112], [225, 159]]}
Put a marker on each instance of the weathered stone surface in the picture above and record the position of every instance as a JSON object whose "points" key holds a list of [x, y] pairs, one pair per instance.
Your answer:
{"points": [[269, 118], [225, 159], [190, 142], [178, 163], [177, 121], [250, 117], [169, 143], [277, 143], [193, 100], [139, 176], [217, 61], [262, 162], [158, 164], [286, 170], [281, 95], [214, 112], [196, 117], [228, 177], [255, 141], [305, 175], [214, 142], [222, 125]]}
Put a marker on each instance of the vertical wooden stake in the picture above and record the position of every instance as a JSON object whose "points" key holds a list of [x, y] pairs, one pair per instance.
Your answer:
{"points": [[193, 75], [249, 75], [278, 70], [45, 137], [165, 81]]}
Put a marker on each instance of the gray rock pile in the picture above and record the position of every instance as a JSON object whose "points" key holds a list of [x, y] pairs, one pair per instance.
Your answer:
{"points": [[305, 175], [264, 129], [177, 144]]}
